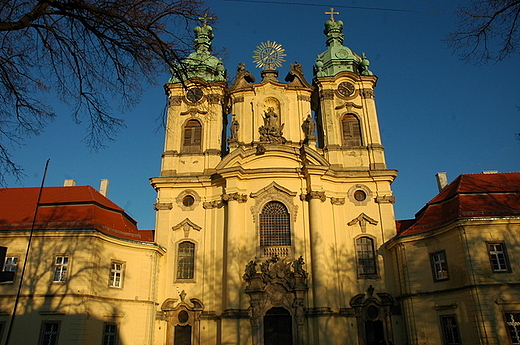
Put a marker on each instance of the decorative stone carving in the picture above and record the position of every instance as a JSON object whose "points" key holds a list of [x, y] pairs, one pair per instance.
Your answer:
{"points": [[212, 204], [362, 220], [277, 283], [214, 98], [349, 106], [313, 195], [272, 131], [367, 93], [327, 94], [175, 100], [308, 127], [384, 199], [235, 126], [163, 206], [304, 98], [182, 313], [234, 197], [186, 225], [273, 192], [239, 99], [337, 201]]}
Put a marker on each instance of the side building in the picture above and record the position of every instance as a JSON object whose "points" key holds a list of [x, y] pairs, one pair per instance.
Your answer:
{"points": [[468, 237], [88, 276]]}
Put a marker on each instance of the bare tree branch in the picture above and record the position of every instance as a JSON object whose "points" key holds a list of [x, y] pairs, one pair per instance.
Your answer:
{"points": [[89, 53], [488, 30]]}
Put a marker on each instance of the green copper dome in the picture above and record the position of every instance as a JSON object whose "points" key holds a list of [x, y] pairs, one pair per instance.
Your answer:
{"points": [[200, 64], [338, 58]]}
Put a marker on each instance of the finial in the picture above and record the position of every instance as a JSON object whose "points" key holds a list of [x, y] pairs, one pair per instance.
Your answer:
{"points": [[205, 19], [332, 13]]}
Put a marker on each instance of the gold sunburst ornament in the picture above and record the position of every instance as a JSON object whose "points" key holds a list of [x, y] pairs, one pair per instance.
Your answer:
{"points": [[269, 55]]}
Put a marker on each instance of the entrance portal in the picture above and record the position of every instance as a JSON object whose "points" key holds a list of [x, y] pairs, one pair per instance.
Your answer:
{"points": [[374, 332], [278, 327]]}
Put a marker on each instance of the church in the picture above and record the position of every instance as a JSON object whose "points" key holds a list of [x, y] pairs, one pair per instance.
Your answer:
{"points": [[274, 225]]}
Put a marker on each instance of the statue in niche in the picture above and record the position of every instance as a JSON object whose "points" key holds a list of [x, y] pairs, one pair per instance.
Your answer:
{"points": [[308, 128], [271, 131], [234, 129]]}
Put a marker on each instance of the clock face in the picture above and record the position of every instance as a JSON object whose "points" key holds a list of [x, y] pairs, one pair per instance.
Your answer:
{"points": [[346, 88], [194, 94]]}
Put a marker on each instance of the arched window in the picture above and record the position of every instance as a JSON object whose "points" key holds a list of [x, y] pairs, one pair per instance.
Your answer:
{"points": [[192, 137], [186, 260], [351, 130], [275, 229], [366, 259]]}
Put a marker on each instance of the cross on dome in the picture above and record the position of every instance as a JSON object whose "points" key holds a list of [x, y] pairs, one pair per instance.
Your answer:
{"points": [[205, 19], [332, 13]]}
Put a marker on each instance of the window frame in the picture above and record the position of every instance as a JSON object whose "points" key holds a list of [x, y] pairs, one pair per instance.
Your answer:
{"points": [[267, 239], [114, 341], [516, 327], [195, 132], [111, 278], [61, 268], [17, 257], [454, 330], [43, 332], [180, 267], [360, 267], [505, 257], [443, 264], [351, 121]]}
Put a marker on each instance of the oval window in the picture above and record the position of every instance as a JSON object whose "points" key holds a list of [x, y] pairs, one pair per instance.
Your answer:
{"points": [[188, 200], [359, 195]]}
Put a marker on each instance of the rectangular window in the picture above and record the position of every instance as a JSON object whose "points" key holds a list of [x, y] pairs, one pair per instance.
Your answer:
{"points": [[450, 330], [116, 274], [61, 265], [366, 258], [186, 260], [513, 327], [110, 334], [439, 266], [49, 333], [11, 265], [498, 257]]}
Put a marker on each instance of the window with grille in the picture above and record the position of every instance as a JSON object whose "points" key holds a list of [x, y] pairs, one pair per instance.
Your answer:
{"points": [[110, 334], [351, 130], [439, 266], [49, 333], [186, 260], [275, 227], [61, 265], [513, 327], [498, 257], [366, 259], [192, 137], [116, 274], [450, 330]]}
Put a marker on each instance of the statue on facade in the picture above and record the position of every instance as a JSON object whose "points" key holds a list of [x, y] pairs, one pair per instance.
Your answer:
{"points": [[271, 131], [234, 129], [308, 128]]}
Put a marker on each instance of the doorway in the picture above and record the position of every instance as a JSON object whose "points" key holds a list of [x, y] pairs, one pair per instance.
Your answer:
{"points": [[278, 327]]}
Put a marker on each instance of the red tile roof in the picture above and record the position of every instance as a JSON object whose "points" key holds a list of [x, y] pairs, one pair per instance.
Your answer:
{"points": [[70, 208], [468, 196]]}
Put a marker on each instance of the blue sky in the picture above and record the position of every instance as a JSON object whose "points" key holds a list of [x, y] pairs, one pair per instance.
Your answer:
{"points": [[436, 113]]}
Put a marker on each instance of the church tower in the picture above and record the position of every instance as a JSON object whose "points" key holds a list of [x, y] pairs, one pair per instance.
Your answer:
{"points": [[273, 226]]}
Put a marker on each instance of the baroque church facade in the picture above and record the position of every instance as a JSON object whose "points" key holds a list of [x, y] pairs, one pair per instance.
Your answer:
{"points": [[275, 225]]}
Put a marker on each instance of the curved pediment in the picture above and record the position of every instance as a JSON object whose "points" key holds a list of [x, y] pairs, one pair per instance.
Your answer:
{"points": [[271, 157]]}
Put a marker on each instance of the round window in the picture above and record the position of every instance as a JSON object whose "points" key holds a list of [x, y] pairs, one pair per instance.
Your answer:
{"points": [[183, 316], [188, 200], [359, 195], [372, 312]]}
